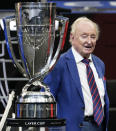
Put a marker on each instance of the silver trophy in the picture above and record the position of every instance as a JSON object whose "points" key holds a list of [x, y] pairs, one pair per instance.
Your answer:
{"points": [[36, 27]]}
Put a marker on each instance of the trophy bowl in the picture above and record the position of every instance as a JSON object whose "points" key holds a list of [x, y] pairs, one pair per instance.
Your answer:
{"points": [[36, 27]]}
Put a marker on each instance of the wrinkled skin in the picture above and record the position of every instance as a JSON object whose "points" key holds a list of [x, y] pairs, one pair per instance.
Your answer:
{"points": [[84, 39]]}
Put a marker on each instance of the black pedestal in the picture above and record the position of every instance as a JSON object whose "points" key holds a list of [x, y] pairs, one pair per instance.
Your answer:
{"points": [[35, 124]]}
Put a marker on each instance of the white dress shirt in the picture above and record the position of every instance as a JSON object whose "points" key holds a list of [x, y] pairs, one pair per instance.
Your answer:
{"points": [[84, 83]]}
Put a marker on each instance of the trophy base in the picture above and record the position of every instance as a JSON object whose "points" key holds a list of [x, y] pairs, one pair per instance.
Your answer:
{"points": [[35, 124], [35, 110]]}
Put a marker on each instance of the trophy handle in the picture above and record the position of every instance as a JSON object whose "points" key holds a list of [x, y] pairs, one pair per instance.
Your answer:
{"points": [[63, 31], [6, 23]]}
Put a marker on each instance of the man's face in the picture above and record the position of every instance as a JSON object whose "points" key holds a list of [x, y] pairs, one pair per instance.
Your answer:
{"points": [[84, 39]]}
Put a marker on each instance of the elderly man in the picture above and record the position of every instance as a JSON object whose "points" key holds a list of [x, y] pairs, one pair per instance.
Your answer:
{"points": [[77, 81]]}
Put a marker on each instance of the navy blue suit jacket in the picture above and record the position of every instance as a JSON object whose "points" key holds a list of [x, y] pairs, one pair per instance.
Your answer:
{"points": [[64, 83]]}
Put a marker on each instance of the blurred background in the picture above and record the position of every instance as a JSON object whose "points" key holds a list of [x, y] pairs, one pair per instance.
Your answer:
{"points": [[102, 12]]}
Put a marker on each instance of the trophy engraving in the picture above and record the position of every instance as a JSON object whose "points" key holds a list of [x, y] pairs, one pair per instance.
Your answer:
{"points": [[35, 23]]}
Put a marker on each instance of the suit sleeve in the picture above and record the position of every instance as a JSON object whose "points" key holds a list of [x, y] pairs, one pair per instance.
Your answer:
{"points": [[53, 78]]}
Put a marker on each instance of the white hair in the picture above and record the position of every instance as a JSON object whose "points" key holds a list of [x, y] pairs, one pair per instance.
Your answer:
{"points": [[75, 24]]}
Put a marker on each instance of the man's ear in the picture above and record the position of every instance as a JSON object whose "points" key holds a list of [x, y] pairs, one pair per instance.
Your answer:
{"points": [[71, 36]]}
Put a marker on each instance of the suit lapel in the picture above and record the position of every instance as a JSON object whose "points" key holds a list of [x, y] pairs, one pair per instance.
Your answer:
{"points": [[98, 68], [74, 72]]}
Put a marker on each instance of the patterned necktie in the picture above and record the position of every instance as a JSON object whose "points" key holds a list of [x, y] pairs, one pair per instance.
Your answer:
{"points": [[97, 106]]}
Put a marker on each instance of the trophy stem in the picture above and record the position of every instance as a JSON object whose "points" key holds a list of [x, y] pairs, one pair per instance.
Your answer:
{"points": [[37, 85]]}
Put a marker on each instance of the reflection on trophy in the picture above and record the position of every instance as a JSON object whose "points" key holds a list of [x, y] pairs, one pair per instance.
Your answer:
{"points": [[35, 21]]}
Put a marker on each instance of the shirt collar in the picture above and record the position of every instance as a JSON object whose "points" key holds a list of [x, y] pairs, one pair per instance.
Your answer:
{"points": [[78, 57]]}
